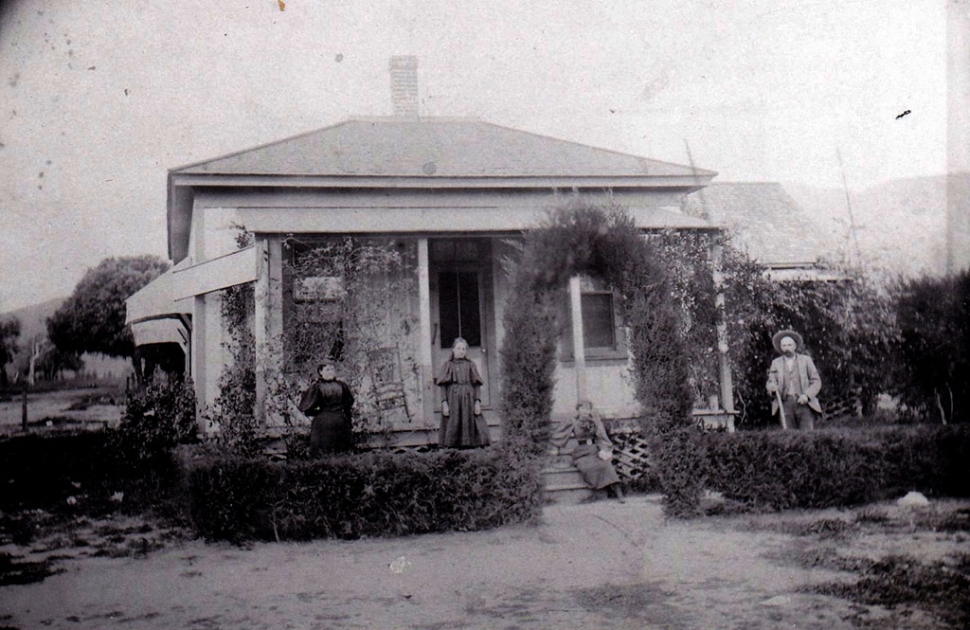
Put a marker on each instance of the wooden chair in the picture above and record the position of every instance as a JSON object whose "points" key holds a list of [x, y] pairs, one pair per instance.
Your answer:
{"points": [[385, 374]]}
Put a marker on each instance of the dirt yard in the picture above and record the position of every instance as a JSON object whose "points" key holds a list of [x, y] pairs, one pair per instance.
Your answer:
{"points": [[597, 565]]}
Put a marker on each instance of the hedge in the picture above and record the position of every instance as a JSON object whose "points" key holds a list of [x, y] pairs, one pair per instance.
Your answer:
{"points": [[351, 496], [785, 470]]}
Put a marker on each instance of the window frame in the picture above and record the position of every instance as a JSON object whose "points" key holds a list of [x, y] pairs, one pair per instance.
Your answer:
{"points": [[617, 352]]}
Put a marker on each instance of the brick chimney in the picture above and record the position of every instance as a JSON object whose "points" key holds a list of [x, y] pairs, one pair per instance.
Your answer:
{"points": [[404, 85]]}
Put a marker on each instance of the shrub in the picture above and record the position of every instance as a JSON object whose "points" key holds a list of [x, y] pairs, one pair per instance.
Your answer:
{"points": [[678, 454], [156, 419], [372, 494], [849, 327], [43, 472], [784, 470], [934, 315], [136, 459]]}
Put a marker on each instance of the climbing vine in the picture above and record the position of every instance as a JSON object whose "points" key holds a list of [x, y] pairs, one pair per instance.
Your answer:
{"points": [[342, 299]]}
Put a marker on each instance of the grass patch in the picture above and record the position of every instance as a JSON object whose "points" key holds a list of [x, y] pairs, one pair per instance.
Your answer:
{"points": [[940, 588], [15, 571], [822, 528]]}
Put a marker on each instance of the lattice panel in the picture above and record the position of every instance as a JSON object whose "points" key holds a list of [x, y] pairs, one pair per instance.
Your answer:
{"points": [[629, 455], [845, 406], [399, 450]]}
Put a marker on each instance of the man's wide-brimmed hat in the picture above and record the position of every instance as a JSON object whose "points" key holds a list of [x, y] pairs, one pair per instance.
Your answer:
{"points": [[781, 334]]}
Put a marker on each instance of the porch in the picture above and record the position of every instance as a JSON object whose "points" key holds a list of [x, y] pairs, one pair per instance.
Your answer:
{"points": [[455, 286]]}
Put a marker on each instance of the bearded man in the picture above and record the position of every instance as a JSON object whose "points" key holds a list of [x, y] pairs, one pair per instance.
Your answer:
{"points": [[794, 382]]}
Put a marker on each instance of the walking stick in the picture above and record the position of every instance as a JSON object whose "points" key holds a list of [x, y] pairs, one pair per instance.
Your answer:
{"points": [[781, 410]]}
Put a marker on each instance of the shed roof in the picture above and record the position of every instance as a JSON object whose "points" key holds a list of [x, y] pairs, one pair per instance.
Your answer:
{"points": [[763, 219], [433, 148]]}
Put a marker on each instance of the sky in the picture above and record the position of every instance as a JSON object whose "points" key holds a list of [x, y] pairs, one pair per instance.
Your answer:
{"points": [[99, 100]]}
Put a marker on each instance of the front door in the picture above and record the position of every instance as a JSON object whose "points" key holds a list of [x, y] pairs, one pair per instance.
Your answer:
{"points": [[458, 307]]}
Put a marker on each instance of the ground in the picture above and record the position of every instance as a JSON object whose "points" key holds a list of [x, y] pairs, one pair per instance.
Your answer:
{"points": [[89, 408], [595, 565]]}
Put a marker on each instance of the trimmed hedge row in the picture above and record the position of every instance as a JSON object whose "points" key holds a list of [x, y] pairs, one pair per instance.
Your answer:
{"points": [[350, 496], [784, 470]]}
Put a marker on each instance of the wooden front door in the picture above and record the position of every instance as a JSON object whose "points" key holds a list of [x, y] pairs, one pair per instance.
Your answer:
{"points": [[459, 298]]}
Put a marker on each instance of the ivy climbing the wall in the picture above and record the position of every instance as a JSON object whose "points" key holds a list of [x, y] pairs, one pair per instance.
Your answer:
{"points": [[343, 300]]}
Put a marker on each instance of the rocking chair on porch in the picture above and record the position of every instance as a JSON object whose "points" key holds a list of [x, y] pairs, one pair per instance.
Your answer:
{"points": [[385, 374]]}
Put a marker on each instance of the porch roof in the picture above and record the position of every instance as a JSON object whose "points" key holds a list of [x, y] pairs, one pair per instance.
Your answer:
{"points": [[437, 221]]}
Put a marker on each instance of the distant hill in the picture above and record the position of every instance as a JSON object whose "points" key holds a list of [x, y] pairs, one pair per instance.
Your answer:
{"points": [[33, 318], [33, 321], [900, 224]]}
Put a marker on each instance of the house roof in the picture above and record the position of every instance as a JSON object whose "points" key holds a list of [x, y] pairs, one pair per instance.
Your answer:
{"points": [[433, 148], [419, 154], [762, 218]]}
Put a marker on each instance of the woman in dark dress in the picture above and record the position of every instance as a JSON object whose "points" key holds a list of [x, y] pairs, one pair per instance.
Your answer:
{"points": [[329, 401], [462, 424]]}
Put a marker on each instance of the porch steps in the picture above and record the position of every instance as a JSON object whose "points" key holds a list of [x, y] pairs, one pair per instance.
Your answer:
{"points": [[563, 483]]}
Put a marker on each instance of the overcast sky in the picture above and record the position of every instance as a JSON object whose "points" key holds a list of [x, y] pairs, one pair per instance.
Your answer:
{"points": [[100, 99]]}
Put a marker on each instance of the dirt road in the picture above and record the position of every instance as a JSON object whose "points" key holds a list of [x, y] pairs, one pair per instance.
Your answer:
{"points": [[63, 407], [598, 565]]}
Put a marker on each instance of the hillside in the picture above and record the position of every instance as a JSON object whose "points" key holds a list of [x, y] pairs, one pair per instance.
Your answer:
{"points": [[33, 318], [33, 321], [900, 224]]}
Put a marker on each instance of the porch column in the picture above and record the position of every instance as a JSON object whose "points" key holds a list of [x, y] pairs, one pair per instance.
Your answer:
{"points": [[579, 349], [724, 365], [197, 366], [424, 314], [198, 372], [268, 326]]}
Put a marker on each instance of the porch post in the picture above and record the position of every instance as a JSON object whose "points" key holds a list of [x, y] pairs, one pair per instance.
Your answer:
{"points": [[268, 325], [197, 366], [199, 351], [579, 349], [724, 365], [424, 350]]}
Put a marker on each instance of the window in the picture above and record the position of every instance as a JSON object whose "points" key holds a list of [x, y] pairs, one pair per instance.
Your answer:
{"points": [[603, 335], [458, 307], [599, 326]]}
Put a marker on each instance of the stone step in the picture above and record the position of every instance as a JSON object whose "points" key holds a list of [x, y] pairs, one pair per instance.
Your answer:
{"points": [[561, 476], [563, 483], [568, 496]]}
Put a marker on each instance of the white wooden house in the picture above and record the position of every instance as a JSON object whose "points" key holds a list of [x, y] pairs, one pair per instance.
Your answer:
{"points": [[449, 192]]}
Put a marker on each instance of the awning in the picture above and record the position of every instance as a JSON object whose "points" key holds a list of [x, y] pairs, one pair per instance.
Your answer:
{"points": [[160, 331], [215, 274], [158, 299], [171, 294]]}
